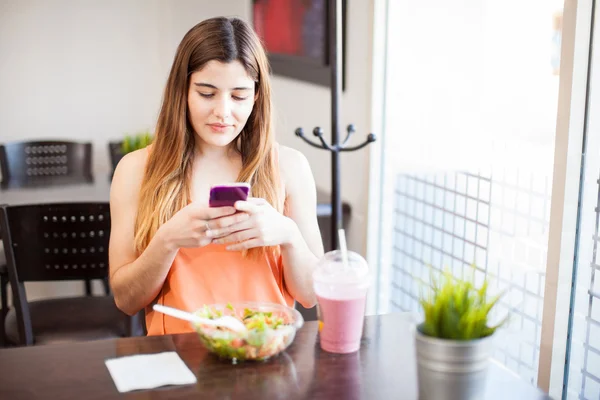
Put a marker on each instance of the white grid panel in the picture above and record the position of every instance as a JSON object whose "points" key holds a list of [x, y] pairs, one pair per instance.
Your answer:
{"points": [[499, 222]]}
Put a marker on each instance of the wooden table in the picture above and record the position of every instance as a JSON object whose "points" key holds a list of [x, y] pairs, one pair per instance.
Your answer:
{"points": [[384, 368]]}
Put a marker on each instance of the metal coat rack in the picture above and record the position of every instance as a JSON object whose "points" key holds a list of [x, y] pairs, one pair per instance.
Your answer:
{"points": [[335, 22]]}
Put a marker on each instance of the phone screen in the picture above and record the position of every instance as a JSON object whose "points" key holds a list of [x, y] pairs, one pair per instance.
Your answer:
{"points": [[227, 195]]}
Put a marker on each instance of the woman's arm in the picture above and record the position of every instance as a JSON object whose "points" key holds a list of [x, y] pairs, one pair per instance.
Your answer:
{"points": [[135, 281], [304, 247]]}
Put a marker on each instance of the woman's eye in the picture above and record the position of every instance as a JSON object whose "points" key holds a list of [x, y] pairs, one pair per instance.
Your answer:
{"points": [[238, 98], [206, 95]]}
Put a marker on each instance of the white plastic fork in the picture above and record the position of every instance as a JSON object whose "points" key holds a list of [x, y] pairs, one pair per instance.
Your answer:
{"points": [[225, 321]]}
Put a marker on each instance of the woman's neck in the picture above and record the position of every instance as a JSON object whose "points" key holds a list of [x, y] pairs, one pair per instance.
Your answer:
{"points": [[216, 153]]}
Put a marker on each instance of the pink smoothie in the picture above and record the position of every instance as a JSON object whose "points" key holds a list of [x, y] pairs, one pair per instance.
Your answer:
{"points": [[341, 323]]}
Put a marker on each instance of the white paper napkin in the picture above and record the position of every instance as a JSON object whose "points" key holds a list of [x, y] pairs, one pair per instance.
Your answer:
{"points": [[149, 371]]}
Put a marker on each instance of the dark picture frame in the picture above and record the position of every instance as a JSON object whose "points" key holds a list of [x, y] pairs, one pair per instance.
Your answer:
{"points": [[307, 60]]}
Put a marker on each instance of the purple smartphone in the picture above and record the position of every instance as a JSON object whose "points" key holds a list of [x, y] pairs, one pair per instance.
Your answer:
{"points": [[227, 194]]}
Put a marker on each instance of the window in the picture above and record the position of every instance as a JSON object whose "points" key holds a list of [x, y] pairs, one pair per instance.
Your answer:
{"points": [[469, 115]]}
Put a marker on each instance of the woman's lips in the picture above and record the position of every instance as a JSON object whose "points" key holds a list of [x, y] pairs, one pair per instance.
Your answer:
{"points": [[219, 127]]}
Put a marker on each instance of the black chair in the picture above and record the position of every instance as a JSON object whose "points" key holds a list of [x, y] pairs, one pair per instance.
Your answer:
{"points": [[56, 242], [42, 163], [45, 163], [115, 153]]}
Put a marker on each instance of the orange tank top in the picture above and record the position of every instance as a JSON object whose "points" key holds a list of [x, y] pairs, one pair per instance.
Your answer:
{"points": [[211, 274]]}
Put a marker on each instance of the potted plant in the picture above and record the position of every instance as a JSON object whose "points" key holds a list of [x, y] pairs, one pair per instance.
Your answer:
{"points": [[453, 343], [127, 145]]}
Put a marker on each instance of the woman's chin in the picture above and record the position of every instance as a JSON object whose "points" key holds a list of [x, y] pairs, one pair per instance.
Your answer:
{"points": [[217, 140]]}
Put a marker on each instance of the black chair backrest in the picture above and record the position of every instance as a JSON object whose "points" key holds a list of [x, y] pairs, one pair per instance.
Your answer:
{"points": [[114, 150], [52, 242], [45, 162]]}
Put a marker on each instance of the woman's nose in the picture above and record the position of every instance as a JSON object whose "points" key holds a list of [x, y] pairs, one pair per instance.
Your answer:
{"points": [[222, 108]]}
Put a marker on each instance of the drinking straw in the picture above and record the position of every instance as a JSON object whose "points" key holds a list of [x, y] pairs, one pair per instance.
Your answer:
{"points": [[343, 247]]}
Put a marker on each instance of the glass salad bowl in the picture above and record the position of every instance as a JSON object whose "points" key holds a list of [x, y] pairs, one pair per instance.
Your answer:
{"points": [[270, 329]]}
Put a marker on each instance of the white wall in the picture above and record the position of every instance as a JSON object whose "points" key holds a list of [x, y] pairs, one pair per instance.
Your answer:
{"points": [[90, 70], [94, 70], [85, 72]]}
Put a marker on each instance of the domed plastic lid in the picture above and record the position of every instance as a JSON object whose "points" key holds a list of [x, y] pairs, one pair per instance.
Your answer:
{"points": [[333, 270]]}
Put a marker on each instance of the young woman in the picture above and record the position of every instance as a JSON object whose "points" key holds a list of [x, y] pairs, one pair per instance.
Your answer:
{"points": [[215, 126]]}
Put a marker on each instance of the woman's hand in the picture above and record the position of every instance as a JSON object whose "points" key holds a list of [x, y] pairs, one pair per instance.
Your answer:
{"points": [[193, 225], [264, 227]]}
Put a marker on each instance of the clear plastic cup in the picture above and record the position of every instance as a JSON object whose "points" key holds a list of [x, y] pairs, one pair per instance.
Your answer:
{"points": [[341, 296]]}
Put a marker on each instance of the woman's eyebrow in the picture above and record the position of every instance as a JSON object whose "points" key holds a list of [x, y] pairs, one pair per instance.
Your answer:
{"points": [[208, 85]]}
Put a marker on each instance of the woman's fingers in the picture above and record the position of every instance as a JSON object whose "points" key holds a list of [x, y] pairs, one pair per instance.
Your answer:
{"points": [[252, 206], [218, 224], [201, 211], [226, 230], [257, 200], [248, 244], [239, 236]]}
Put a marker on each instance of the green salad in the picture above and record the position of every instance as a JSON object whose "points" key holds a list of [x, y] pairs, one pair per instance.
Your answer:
{"points": [[267, 334]]}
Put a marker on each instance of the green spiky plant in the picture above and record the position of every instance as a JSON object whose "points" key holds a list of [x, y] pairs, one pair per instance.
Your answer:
{"points": [[135, 142], [455, 309]]}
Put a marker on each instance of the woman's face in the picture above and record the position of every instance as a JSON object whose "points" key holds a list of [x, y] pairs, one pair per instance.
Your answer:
{"points": [[220, 99]]}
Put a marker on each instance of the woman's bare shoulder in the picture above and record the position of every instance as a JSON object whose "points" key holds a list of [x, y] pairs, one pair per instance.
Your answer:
{"points": [[290, 159], [295, 170], [129, 174]]}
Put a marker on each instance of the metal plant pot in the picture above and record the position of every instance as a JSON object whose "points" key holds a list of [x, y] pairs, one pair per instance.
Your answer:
{"points": [[451, 369]]}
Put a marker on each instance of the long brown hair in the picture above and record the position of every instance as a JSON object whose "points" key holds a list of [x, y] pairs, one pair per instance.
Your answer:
{"points": [[167, 178]]}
